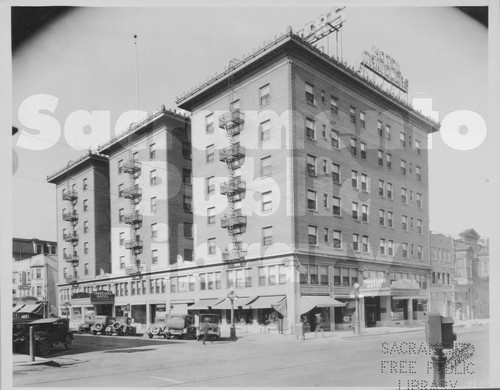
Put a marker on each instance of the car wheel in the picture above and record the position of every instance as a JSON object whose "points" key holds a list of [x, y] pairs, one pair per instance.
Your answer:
{"points": [[44, 347], [68, 341], [94, 332], [150, 335]]}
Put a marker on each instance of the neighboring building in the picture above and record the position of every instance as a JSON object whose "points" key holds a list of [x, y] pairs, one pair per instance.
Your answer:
{"points": [[24, 248], [442, 274], [308, 179], [145, 212], [481, 278], [34, 286]]}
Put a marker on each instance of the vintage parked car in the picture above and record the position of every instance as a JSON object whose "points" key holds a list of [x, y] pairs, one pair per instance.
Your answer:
{"points": [[181, 326], [209, 324], [20, 331], [100, 324], [48, 333], [121, 326], [158, 328]]}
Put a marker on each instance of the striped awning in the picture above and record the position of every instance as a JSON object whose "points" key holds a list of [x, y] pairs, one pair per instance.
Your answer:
{"points": [[225, 304], [16, 308], [309, 302], [264, 302], [30, 308], [204, 304]]}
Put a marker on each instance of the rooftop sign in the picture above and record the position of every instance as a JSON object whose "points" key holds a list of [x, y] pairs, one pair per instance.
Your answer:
{"points": [[322, 26], [386, 67]]}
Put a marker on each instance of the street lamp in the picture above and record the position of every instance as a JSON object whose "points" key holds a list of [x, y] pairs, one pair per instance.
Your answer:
{"points": [[232, 330], [357, 325]]}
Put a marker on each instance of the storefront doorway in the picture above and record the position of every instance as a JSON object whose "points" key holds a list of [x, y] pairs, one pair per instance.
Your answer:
{"points": [[372, 311]]}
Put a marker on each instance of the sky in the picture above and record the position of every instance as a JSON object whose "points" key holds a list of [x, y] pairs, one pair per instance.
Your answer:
{"points": [[86, 61]]}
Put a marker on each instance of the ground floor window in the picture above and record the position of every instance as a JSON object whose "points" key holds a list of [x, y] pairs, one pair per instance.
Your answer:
{"points": [[399, 309], [138, 313], [241, 316], [419, 308]]}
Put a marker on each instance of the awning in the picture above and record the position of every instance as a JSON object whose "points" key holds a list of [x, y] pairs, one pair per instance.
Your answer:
{"points": [[281, 308], [225, 304], [309, 302], [204, 304], [17, 307], [30, 308], [264, 302]]}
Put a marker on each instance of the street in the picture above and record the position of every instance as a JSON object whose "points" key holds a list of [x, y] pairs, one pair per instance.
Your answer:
{"points": [[256, 360]]}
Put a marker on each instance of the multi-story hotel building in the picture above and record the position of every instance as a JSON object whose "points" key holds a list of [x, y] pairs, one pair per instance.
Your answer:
{"points": [[307, 179], [133, 201]]}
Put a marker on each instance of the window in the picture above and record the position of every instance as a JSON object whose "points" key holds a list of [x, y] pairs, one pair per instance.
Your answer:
{"points": [[355, 210], [267, 236], [336, 205], [389, 219], [325, 163], [325, 201], [86, 248], [354, 150], [382, 246], [419, 252], [334, 135], [211, 246], [152, 177], [154, 256], [381, 158], [265, 166], [388, 159], [325, 234], [323, 132], [310, 94], [210, 185], [419, 226], [354, 179], [364, 213], [380, 129], [187, 203], [311, 165], [313, 274], [152, 204], [120, 190], [405, 249], [362, 150], [362, 121], [336, 276], [388, 132], [334, 105], [265, 131], [186, 176], [38, 290], [404, 222], [267, 201], [85, 205], [262, 276], [352, 114], [85, 185], [210, 154], [402, 139], [389, 190], [418, 173], [310, 129], [264, 95], [312, 235], [419, 200], [381, 217], [188, 254], [336, 173], [390, 248], [344, 273], [120, 163], [122, 238], [403, 167], [188, 229], [154, 230], [281, 274], [355, 242], [211, 216], [365, 244], [152, 152], [186, 150], [417, 146], [311, 200], [404, 198], [86, 226], [209, 123], [364, 182], [381, 187]]}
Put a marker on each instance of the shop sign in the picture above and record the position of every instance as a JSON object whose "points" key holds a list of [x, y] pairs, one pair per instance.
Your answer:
{"points": [[80, 295], [101, 296], [375, 283], [386, 67]]}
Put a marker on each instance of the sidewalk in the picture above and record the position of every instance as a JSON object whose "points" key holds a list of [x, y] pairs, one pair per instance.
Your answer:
{"points": [[20, 359]]}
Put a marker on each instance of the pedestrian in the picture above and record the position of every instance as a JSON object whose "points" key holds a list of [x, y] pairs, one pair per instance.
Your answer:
{"points": [[205, 329], [318, 325]]}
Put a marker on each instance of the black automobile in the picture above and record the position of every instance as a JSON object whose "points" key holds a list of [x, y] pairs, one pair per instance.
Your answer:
{"points": [[48, 333]]}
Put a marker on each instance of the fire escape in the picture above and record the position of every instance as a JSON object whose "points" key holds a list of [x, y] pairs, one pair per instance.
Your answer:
{"points": [[234, 188], [71, 196], [134, 218]]}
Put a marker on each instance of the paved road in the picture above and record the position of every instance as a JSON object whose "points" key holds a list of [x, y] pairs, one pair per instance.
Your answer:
{"points": [[262, 360]]}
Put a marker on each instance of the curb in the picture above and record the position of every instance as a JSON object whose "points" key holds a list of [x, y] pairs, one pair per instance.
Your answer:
{"points": [[44, 362]]}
